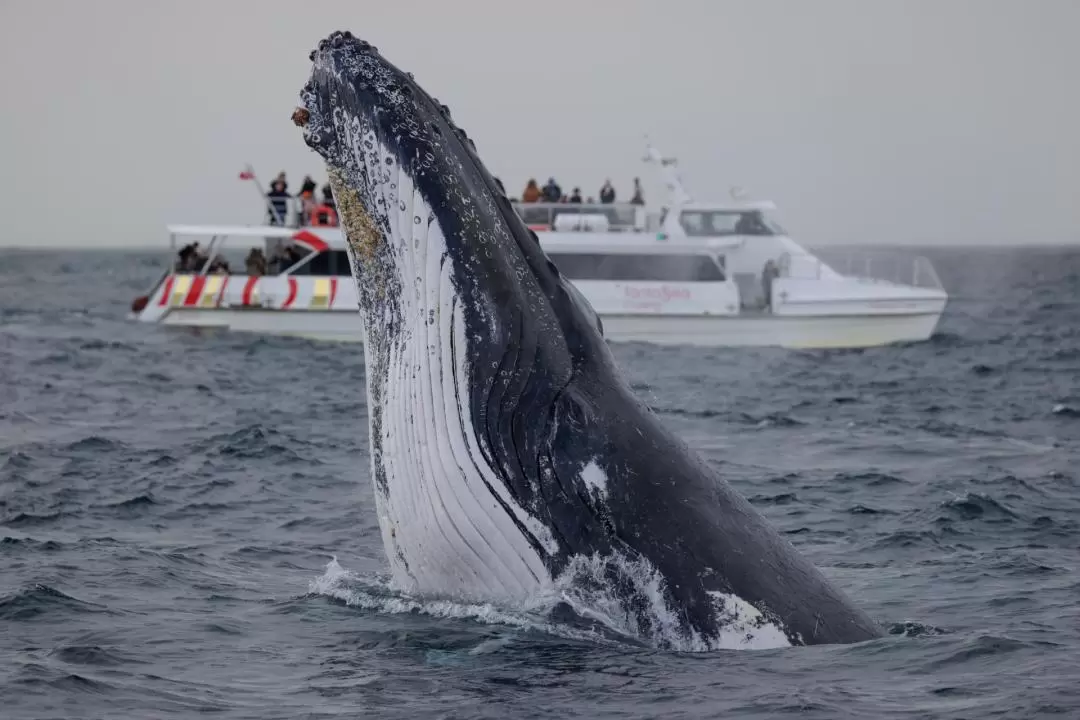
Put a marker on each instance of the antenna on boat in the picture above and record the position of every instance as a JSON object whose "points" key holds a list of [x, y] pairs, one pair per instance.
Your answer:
{"points": [[679, 196]]}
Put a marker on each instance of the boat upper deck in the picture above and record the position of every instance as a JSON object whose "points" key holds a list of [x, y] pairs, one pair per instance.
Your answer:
{"points": [[322, 239]]}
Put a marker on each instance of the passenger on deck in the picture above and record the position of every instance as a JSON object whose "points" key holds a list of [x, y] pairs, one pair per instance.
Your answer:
{"points": [[639, 196], [284, 258], [199, 260], [307, 200], [328, 196], [278, 210], [575, 197], [255, 263], [607, 192], [281, 179], [218, 266], [277, 260], [531, 193], [552, 192], [186, 257], [292, 256]]}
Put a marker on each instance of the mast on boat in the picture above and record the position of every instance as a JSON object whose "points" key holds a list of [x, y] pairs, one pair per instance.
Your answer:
{"points": [[679, 195]]}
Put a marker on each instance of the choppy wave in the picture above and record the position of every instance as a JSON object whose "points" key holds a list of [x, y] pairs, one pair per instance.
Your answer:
{"points": [[169, 500]]}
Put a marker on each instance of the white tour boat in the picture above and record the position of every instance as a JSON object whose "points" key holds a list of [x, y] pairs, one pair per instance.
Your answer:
{"points": [[711, 274]]}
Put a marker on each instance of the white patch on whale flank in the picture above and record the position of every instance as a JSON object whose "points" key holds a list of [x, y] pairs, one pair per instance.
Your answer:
{"points": [[453, 536], [743, 625], [595, 479]]}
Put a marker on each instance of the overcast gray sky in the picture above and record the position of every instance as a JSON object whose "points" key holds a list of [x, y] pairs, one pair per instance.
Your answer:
{"points": [[926, 121]]}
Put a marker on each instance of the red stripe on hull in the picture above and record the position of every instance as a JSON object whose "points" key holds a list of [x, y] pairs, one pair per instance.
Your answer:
{"points": [[196, 290], [249, 288], [292, 294], [221, 292], [168, 291]]}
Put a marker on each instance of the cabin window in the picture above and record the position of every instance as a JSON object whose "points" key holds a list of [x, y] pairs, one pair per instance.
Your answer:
{"points": [[644, 267], [328, 262], [340, 260], [318, 265], [713, 223]]}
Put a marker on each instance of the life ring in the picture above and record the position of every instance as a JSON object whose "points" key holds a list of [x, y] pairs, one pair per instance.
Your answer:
{"points": [[324, 211]]}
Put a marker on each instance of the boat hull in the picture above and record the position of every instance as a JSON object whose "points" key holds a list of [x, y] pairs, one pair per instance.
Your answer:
{"points": [[749, 330]]}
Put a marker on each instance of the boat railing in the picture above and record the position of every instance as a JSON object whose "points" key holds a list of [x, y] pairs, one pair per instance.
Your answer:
{"points": [[588, 217], [609, 217], [293, 216], [881, 266]]}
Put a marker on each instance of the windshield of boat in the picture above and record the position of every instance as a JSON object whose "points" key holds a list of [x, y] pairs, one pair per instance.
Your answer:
{"points": [[715, 223]]}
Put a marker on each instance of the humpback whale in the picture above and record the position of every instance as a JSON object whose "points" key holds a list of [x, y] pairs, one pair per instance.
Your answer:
{"points": [[509, 456]]}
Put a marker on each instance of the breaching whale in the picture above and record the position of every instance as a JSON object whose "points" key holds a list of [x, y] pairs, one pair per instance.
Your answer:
{"points": [[508, 454]]}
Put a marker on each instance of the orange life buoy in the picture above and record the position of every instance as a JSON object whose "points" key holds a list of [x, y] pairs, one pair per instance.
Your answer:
{"points": [[324, 216]]}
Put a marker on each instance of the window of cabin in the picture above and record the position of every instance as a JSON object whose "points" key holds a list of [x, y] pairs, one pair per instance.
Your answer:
{"points": [[340, 263], [644, 267], [326, 263], [715, 223]]}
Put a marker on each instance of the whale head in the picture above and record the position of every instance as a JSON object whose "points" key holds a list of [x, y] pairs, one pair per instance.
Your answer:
{"points": [[410, 188]]}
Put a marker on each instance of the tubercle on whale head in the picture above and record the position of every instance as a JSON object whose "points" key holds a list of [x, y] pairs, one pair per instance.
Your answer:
{"points": [[350, 73]]}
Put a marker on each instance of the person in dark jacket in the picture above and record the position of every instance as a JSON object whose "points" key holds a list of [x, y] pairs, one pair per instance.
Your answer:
{"points": [[278, 209], [607, 192], [552, 192]]}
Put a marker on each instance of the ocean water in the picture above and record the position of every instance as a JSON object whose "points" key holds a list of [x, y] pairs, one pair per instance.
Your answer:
{"points": [[187, 524]]}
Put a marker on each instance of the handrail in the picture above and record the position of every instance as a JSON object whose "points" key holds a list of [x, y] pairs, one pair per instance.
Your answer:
{"points": [[873, 266], [621, 217]]}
